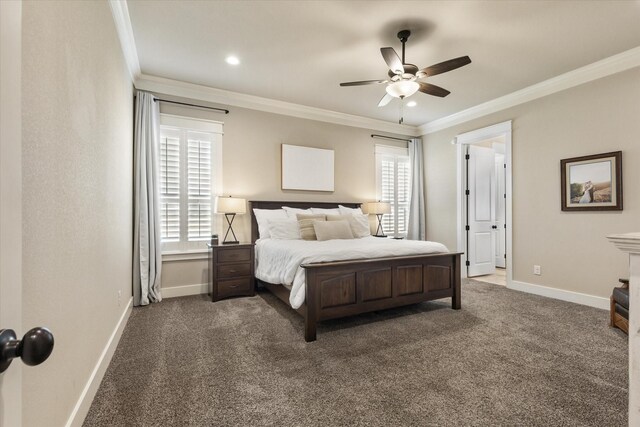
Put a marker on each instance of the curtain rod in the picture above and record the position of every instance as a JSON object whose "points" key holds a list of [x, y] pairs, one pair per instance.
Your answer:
{"points": [[222, 110], [373, 135]]}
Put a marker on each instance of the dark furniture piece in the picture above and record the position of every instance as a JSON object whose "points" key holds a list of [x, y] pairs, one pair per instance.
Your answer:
{"points": [[231, 270], [620, 307], [346, 288]]}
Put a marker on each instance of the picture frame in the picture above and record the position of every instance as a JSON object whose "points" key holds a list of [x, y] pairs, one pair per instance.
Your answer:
{"points": [[592, 183]]}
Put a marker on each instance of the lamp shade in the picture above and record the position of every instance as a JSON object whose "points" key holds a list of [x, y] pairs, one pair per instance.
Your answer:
{"points": [[231, 205], [377, 208], [403, 88]]}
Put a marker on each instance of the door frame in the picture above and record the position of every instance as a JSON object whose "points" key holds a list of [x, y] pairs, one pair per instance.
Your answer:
{"points": [[501, 174], [11, 201], [504, 130]]}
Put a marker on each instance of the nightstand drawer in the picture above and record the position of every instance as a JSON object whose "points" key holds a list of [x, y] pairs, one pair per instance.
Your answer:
{"points": [[232, 287], [234, 270], [234, 255]]}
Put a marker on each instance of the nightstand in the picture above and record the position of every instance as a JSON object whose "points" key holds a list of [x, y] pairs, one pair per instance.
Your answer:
{"points": [[231, 270]]}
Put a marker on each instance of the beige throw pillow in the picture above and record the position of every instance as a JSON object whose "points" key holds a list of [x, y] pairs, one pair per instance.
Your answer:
{"points": [[305, 223], [330, 230], [359, 223]]}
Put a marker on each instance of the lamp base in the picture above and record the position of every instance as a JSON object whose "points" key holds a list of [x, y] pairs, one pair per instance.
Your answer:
{"points": [[379, 230], [229, 217]]}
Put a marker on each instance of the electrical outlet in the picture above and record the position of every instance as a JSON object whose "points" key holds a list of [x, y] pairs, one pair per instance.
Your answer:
{"points": [[536, 270], [119, 298]]}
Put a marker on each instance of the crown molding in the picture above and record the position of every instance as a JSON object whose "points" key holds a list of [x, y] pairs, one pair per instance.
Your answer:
{"points": [[121, 19], [603, 68], [629, 242], [219, 96]]}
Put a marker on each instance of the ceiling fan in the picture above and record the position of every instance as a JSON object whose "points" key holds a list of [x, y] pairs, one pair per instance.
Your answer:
{"points": [[403, 78]]}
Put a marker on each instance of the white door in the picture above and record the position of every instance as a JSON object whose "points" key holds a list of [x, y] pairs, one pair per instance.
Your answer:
{"points": [[501, 194], [481, 210], [11, 202]]}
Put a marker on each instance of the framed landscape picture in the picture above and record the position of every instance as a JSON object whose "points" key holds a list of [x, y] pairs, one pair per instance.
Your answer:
{"points": [[592, 183]]}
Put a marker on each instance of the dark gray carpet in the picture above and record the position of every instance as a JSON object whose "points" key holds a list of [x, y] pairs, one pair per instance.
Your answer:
{"points": [[507, 358]]}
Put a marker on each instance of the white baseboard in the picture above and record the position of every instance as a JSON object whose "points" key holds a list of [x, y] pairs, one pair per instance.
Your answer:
{"points": [[575, 297], [186, 290], [88, 393]]}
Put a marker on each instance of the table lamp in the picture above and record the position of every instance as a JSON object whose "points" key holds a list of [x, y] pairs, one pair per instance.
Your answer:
{"points": [[379, 209], [230, 206]]}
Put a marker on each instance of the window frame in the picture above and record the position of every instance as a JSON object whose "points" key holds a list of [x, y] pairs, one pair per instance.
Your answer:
{"points": [[398, 154], [184, 125]]}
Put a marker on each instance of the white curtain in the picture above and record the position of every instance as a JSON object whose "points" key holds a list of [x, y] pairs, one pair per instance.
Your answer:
{"points": [[147, 255], [417, 222]]}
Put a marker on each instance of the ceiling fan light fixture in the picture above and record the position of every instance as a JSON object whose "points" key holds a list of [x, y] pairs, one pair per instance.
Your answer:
{"points": [[402, 88]]}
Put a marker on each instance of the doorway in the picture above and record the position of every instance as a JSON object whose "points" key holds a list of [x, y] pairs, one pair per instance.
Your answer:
{"points": [[484, 203]]}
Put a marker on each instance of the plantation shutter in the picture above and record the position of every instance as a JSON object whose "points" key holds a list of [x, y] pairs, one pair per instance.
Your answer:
{"points": [[403, 178], [170, 186], [393, 173], [199, 175], [190, 174], [388, 191]]}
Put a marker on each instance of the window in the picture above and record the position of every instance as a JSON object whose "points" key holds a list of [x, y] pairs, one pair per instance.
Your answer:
{"points": [[190, 171], [393, 183]]}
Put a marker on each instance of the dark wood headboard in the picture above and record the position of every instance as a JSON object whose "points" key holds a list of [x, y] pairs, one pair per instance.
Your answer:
{"points": [[258, 204]]}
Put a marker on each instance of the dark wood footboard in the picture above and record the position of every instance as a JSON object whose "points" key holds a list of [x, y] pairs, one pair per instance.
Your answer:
{"points": [[346, 288]]}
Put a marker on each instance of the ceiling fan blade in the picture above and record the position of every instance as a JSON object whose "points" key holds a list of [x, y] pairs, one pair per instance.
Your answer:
{"points": [[385, 100], [445, 66], [434, 90], [363, 82], [392, 59]]}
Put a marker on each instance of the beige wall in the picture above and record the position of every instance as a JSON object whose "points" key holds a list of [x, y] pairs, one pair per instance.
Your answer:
{"points": [[251, 165], [77, 192], [184, 273], [596, 117]]}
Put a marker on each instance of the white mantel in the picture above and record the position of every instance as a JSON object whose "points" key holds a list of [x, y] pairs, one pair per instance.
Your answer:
{"points": [[630, 243]]}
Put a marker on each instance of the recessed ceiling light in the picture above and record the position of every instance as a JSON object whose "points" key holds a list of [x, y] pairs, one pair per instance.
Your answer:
{"points": [[412, 104], [233, 60]]}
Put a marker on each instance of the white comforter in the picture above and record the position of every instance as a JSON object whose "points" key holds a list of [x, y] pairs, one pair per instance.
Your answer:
{"points": [[279, 261]]}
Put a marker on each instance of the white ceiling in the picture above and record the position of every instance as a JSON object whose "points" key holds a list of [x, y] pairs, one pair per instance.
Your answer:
{"points": [[299, 51]]}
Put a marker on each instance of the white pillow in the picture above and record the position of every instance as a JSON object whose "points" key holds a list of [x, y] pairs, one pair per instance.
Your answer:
{"points": [[322, 211], [262, 218], [293, 212], [349, 211], [360, 225], [284, 229]]}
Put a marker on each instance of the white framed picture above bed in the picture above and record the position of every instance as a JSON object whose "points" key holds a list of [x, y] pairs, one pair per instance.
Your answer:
{"points": [[307, 168]]}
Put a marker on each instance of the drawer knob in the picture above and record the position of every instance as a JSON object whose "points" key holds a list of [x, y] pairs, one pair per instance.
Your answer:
{"points": [[232, 271]]}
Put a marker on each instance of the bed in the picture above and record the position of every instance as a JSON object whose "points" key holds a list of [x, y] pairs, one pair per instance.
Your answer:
{"points": [[346, 287]]}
